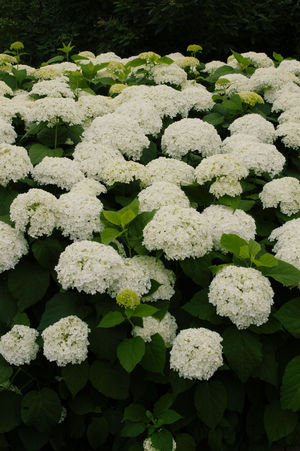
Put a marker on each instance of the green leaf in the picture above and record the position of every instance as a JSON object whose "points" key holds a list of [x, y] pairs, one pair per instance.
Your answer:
{"points": [[21, 318], [214, 118], [278, 422], [130, 352], [165, 60], [37, 152], [155, 355], [185, 442], [277, 57], [132, 429], [235, 391], [243, 351], [47, 251], [267, 260], [284, 273], [254, 248], [163, 404], [41, 409], [199, 307], [197, 269], [6, 370], [232, 243], [8, 307], [199, 194], [127, 217], [268, 369], [244, 62], [290, 388], [210, 402], [97, 432], [28, 283], [224, 70], [32, 440], [162, 440], [169, 416], [289, 316], [136, 227], [112, 319], [136, 62], [6, 198], [136, 413], [111, 382], [149, 154], [143, 310], [75, 377], [10, 411], [109, 234], [112, 216], [154, 286]]}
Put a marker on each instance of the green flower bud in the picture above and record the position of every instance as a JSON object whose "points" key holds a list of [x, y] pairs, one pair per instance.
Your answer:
{"points": [[128, 299], [17, 46]]}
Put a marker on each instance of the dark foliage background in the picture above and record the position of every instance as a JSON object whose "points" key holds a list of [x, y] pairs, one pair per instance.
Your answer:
{"points": [[129, 27]]}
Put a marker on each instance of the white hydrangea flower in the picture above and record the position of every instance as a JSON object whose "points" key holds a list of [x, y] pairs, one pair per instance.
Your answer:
{"points": [[190, 135], [124, 172], [168, 73], [196, 353], [7, 132], [12, 247], [35, 211], [18, 346], [15, 163], [58, 87], [226, 169], [61, 172], [175, 55], [161, 194], [5, 89], [88, 187], [78, 215], [120, 132], [147, 445], [89, 266], [179, 232], [290, 134], [168, 101], [255, 125], [62, 68], [197, 98], [133, 277], [66, 341], [290, 254], [106, 57], [243, 295], [92, 157], [238, 141], [50, 110], [286, 234], [187, 62], [285, 192], [232, 83], [292, 66], [288, 97], [94, 106], [258, 59], [157, 271], [269, 80], [170, 170], [46, 73], [166, 328], [221, 219], [144, 112], [290, 115], [213, 65]]}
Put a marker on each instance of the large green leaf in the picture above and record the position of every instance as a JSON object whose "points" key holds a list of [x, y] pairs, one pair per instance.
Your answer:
{"points": [[136, 413], [210, 402], [32, 440], [278, 422], [232, 243], [111, 382], [6, 370], [10, 411], [199, 307], [162, 440], [155, 355], [97, 432], [283, 272], [41, 409], [197, 269], [6, 198], [37, 152], [132, 429], [75, 377], [130, 352], [47, 251], [290, 388], [243, 351], [28, 283], [112, 319], [289, 316], [8, 306]]}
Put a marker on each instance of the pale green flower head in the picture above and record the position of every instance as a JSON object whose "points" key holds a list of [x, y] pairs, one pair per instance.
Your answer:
{"points": [[18, 45], [250, 97], [128, 299]]}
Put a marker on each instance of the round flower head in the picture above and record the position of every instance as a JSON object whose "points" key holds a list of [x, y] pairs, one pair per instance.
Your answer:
{"points": [[269, 80], [290, 134], [285, 192], [286, 235], [15, 163], [66, 341], [61, 172], [34, 212], [166, 328], [133, 277], [221, 219], [250, 97], [5, 89], [51, 110], [116, 89], [232, 83], [187, 62], [170, 170], [144, 112], [12, 247], [212, 66], [161, 194], [196, 353], [257, 59], [124, 172], [18, 346], [7, 132], [190, 135], [147, 445], [150, 57], [255, 125], [287, 98], [89, 266], [179, 232], [197, 98], [88, 187], [58, 87], [94, 106], [243, 295], [128, 298], [168, 73], [169, 102]]}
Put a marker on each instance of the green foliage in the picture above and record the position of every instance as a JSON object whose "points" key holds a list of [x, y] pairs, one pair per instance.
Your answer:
{"points": [[210, 401]]}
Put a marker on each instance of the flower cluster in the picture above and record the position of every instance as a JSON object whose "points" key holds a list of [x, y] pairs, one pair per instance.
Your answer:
{"points": [[12, 246], [284, 192], [18, 346], [14, 163], [166, 328]]}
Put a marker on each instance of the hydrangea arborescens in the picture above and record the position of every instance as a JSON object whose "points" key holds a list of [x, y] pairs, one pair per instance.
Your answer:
{"points": [[15, 163], [160, 194], [284, 192], [165, 327], [18, 346], [12, 246]]}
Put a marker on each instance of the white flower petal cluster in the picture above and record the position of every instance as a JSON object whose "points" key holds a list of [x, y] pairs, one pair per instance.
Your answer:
{"points": [[18, 346], [271, 78], [61, 172], [144, 112], [187, 62], [89, 266], [168, 73], [226, 170], [51, 109], [12, 246], [166, 328], [157, 271], [258, 59], [290, 133], [133, 277], [232, 83], [120, 132], [58, 87], [292, 66], [238, 141], [147, 445], [94, 106], [170, 170], [88, 187], [46, 73], [7, 132], [5, 89], [169, 102], [197, 98], [190, 135], [66, 341], [287, 247], [285, 192], [287, 98], [161, 194], [212, 66], [255, 125], [92, 157], [124, 172], [243, 295], [290, 115], [221, 219], [179, 232], [15, 163], [196, 353], [34, 212]]}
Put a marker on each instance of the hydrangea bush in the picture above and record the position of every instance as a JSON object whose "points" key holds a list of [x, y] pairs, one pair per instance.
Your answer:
{"points": [[150, 253]]}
